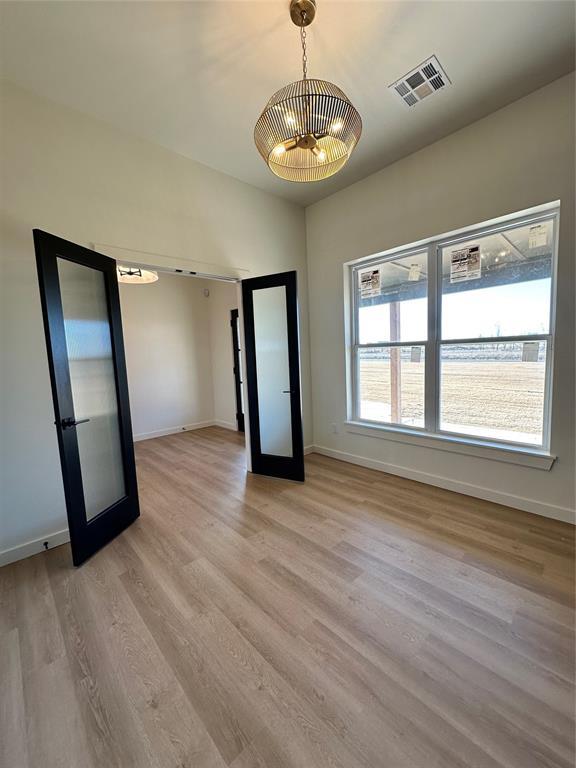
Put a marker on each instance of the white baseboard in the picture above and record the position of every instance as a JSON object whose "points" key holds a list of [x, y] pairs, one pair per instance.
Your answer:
{"points": [[33, 547], [173, 430], [565, 514], [225, 425], [518, 502]]}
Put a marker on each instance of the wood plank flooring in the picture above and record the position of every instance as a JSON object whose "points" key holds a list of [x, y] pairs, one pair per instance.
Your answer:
{"points": [[358, 620]]}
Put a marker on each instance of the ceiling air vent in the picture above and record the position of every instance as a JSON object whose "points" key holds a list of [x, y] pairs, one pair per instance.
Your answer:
{"points": [[421, 82]]}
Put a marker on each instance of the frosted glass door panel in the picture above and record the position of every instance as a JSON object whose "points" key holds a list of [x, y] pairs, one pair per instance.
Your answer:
{"points": [[272, 369], [89, 346]]}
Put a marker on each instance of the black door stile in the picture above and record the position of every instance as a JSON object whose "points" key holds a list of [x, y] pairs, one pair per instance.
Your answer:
{"points": [[289, 467], [237, 369], [86, 536]]}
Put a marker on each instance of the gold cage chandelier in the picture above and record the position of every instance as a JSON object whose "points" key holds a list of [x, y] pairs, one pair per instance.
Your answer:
{"points": [[309, 128]]}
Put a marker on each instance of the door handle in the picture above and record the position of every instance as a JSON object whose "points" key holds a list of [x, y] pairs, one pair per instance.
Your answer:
{"points": [[287, 391], [70, 422]]}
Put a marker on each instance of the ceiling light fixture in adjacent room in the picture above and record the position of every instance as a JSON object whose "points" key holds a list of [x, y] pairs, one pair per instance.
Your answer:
{"points": [[309, 128], [135, 275]]}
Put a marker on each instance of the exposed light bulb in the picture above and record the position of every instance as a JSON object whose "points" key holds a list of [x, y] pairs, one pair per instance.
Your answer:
{"points": [[503, 253], [319, 154], [337, 125], [280, 149], [496, 260], [290, 120]]}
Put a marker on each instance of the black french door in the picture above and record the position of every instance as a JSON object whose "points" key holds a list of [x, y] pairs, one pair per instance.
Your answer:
{"points": [[270, 308], [236, 350], [83, 329]]}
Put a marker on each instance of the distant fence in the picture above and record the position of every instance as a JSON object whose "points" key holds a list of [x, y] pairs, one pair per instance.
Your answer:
{"points": [[502, 351]]}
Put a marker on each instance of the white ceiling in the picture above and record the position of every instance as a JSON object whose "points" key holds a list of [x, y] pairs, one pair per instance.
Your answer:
{"points": [[194, 76]]}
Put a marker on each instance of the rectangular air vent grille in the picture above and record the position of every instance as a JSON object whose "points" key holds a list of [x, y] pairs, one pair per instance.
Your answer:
{"points": [[421, 82]]}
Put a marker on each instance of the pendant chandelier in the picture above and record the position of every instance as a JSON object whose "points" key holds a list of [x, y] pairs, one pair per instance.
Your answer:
{"points": [[309, 128]]}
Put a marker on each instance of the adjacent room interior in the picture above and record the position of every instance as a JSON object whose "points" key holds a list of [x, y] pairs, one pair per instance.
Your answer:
{"points": [[179, 333], [287, 402]]}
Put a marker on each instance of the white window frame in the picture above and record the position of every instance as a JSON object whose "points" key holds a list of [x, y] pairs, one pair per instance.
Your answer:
{"points": [[434, 343]]}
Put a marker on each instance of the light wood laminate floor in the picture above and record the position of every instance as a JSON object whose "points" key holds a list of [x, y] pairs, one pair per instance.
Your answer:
{"points": [[357, 620]]}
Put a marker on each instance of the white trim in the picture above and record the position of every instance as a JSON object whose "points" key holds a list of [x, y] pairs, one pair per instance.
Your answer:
{"points": [[565, 514], [225, 425], [442, 442], [34, 547], [163, 262], [431, 348], [435, 342], [175, 430], [185, 428]]}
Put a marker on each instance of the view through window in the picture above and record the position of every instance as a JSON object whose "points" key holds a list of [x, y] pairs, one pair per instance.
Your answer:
{"points": [[455, 337]]}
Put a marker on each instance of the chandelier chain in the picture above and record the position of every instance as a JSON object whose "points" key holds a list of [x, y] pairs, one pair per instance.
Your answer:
{"points": [[303, 40]]}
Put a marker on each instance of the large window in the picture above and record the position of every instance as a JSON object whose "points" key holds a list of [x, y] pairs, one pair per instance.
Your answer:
{"points": [[455, 338]]}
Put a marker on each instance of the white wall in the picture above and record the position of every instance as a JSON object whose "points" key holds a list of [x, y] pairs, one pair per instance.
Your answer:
{"points": [[88, 182], [167, 326], [518, 157]]}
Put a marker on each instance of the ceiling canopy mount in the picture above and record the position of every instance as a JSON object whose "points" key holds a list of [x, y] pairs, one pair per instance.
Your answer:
{"points": [[302, 12]]}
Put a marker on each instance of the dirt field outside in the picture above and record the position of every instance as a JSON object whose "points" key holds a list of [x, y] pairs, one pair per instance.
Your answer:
{"points": [[486, 398]]}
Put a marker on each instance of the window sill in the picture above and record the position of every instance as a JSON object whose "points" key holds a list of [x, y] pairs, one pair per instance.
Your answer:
{"points": [[484, 450]]}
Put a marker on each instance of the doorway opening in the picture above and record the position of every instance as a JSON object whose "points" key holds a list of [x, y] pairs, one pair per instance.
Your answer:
{"points": [[181, 356]]}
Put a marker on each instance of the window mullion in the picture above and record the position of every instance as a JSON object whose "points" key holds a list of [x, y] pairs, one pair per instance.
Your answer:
{"points": [[354, 346], [432, 346], [355, 383]]}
